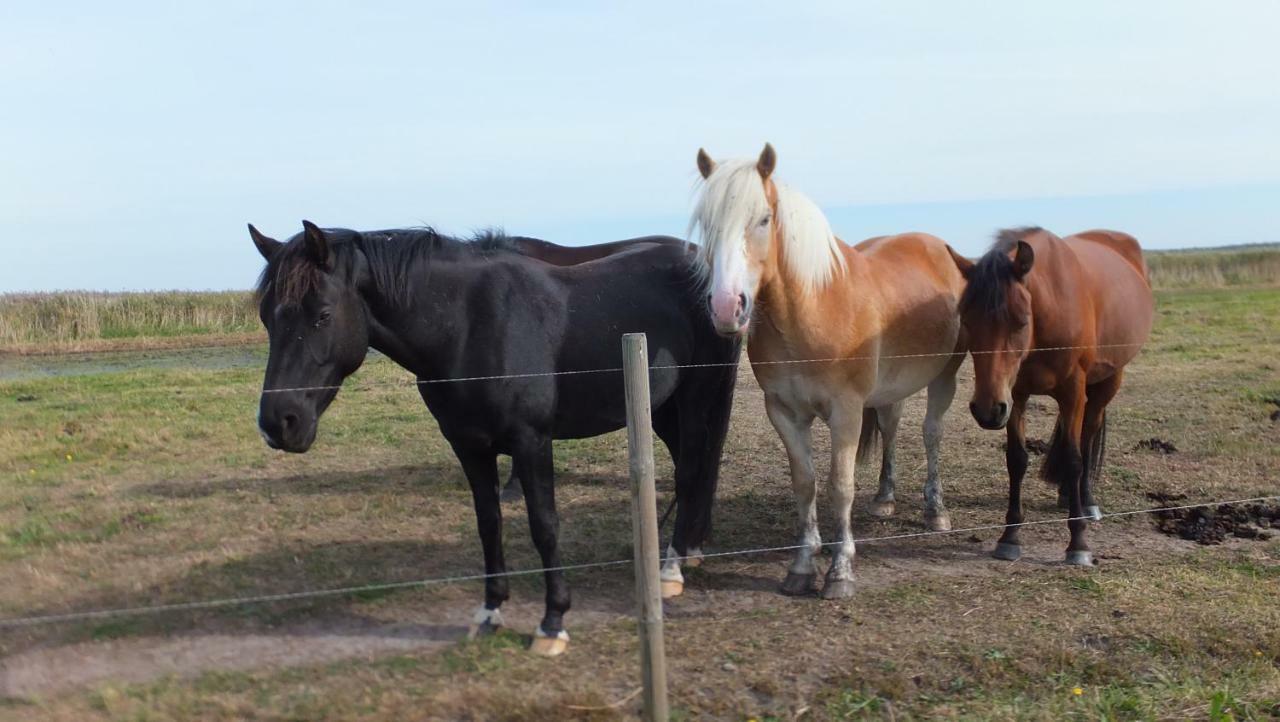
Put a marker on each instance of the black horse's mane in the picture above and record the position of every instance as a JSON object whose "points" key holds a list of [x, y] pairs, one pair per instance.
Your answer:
{"points": [[392, 254], [985, 291]]}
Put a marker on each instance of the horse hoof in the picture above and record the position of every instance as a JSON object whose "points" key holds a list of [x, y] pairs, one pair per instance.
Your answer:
{"points": [[1007, 552], [938, 522], [1080, 559], [1093, 512], [796, 585], [693, 559], [837, 589], [882, 509], [672, 588], [513, 491], [545, 645], [484, 623]]}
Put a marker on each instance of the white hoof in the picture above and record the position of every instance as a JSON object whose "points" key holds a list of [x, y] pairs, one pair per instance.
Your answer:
{"points": [[938, 522], [485, 621], [672, 588], [545, 645]]}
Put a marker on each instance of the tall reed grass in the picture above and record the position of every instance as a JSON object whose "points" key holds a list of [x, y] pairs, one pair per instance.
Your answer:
{"points": [[78, 319], [1215, 268]]}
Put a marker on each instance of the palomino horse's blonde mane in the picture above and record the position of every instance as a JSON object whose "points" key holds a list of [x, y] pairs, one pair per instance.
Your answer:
{"points": [[733, 199]]}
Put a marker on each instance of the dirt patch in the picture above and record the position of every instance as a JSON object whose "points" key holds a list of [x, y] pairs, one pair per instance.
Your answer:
{"points": [[1210, 525], [1156, 444]]}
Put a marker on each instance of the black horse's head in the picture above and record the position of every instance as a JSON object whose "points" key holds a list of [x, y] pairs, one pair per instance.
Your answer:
{"points": [[308, 299]]}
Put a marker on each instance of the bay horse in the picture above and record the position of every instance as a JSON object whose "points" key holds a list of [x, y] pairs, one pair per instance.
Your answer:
{"points": [[445, 308], [1059, 317], [838, 332], [559, 255]]}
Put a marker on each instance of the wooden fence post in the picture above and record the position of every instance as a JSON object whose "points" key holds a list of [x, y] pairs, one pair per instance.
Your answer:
{"points": [[644, 523]]}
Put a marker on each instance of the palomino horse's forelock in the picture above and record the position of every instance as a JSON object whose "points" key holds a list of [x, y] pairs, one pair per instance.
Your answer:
{"points": [[734, 197]]}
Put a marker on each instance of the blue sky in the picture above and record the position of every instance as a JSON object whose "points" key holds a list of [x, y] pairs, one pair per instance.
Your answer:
{"points": [[137, 139]]}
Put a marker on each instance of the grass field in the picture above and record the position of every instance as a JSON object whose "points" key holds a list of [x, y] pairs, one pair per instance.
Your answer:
{"points": [[151, 486], [81, 321]]}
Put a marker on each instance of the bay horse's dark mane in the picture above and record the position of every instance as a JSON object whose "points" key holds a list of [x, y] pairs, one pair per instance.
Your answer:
{"points": [[392, 254], [985, 291]]}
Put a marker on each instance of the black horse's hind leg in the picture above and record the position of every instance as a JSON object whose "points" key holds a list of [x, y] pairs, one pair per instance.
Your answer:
{"points": [[534, 465], [704, 404], [514, 490], [1010, 545], [481, 469]]}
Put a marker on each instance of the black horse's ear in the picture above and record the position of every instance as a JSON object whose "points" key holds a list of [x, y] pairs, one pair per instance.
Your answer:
{"points": [[768, 159], [317, 245], [706, 166], [962, 263], [267, 246], [1023, 258]]}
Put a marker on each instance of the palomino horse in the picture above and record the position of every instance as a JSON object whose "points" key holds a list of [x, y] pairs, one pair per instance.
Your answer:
{"points": [[866, 327], [470, 311], [1059, 317]]}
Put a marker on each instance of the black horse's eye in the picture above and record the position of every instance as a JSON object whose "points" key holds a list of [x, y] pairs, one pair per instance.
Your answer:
{"points": [[322, 319]]}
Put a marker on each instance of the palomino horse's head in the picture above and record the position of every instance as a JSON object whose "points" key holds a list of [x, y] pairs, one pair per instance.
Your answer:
{"points": [[995, 311], [317, 330], [735, 216]]}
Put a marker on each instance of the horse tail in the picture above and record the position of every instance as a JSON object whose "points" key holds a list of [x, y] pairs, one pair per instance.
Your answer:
{"points": [[869, 436], [1098, 452], [1056, 469]]}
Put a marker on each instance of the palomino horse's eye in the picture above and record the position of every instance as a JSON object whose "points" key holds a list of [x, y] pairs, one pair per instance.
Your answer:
{"points": [[764, 221]]}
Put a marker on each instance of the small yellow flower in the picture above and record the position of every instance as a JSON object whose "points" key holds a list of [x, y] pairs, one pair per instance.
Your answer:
{"points": [[1257, 653], [1077, 691], [33, 471], [68, 457]]}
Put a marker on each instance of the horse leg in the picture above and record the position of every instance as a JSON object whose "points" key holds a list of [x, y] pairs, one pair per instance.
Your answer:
{"points": [[1094, 438], [667, 426], [794, 430], [514, 490], [533, 462], [1009, 547], [1065, 465], [846, 425], [887, 418], [942, 390], [481, 469]]}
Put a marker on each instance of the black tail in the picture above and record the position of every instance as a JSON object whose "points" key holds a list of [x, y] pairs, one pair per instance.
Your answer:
{"points": [[1098, 452], [867, 440], [1060, 468]]}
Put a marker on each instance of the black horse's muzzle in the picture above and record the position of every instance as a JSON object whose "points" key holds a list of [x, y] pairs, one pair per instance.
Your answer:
{"points": [[286, 425]]}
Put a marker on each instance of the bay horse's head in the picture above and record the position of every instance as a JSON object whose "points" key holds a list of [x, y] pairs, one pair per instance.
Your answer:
{"points": [[995, 311], [317, 329]]}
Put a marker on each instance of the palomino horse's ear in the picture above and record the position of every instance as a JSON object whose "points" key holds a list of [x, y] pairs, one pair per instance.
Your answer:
{"points": [[768, 159], [267, 246], [317, 245], [1023, 258], [962, 263], [706, 166]]}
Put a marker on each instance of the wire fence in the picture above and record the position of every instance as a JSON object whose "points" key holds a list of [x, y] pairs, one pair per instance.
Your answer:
{"points": [[44, 619]]}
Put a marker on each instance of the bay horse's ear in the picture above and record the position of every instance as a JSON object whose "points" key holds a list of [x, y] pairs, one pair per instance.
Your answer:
{"points": [[267, 246], [962, 263], [768, 159], [1023, 258], [706, 166], [317, 245]]}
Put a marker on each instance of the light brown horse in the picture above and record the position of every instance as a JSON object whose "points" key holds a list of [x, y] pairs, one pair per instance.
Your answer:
{"points": [[1059, 317], [883, 315]]}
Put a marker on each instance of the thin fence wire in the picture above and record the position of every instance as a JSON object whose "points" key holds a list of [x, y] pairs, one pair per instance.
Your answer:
{"points": [[35, 620]]}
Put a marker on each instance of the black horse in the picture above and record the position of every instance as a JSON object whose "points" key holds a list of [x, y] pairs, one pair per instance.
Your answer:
{"points": [[450, 309]]}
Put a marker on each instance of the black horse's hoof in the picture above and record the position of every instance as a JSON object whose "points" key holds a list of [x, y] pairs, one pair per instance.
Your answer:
{"points": [[1080, 559], [837, 589], [1007, 552], [513, 491], [796, 585]]}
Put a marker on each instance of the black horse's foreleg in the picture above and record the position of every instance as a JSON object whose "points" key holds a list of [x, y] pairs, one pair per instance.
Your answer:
{"points": [[481, 469], [534, 465]]}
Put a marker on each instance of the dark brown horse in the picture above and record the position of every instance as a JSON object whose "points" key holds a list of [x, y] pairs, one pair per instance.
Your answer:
{"points": [[558, 255], [1059, 317]]}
